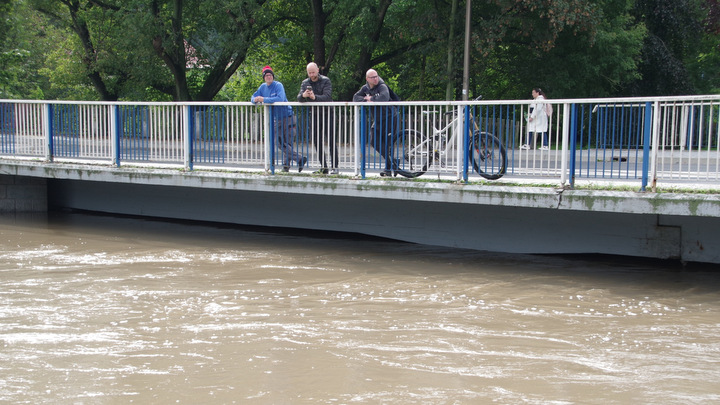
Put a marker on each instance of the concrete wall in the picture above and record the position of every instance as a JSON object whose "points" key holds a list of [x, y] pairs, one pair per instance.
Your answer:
{"points": [[483, 227], [20, 194], [512, 219]]}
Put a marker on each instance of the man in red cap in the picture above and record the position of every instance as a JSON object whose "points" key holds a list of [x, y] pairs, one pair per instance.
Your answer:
{"points": [[284, 122]]}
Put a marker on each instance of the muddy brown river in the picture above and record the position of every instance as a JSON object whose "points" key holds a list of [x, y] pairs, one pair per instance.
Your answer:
{"points": [[108, 310]]}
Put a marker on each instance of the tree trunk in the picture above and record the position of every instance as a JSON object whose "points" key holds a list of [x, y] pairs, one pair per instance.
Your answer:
{"points": [[88, 57], [174, 57], [365, 61], [319, 22]]}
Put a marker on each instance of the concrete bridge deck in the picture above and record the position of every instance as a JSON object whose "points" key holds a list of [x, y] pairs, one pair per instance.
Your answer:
{"points": [[513, 219]]}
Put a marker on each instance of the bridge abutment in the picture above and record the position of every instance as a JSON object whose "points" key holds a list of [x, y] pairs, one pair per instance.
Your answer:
{"points": [[21, 194]]}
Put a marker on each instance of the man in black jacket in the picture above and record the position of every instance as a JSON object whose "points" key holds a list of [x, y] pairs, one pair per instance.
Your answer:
{"points": [[318, 88], [384, 119]]}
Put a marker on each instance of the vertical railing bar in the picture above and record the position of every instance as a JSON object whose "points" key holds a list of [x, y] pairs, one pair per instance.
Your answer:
{"points": [[564, 151], [187, 136], [652, 176], [573, 135], [717, 141], [700, 141], [47, 131], [360, 137], [114, 136], [269, 143]]}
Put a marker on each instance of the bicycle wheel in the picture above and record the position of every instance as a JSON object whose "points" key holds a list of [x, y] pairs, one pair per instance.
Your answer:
{"points": [[416, 150], [488, 155]]}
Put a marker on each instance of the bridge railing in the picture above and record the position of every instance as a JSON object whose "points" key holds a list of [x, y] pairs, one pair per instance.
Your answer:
{"points": [[641, 140]]}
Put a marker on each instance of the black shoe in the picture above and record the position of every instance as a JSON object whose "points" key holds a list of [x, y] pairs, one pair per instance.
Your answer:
{"points": [[386, 173], [301, 164], [286, 169], [324, 170]]}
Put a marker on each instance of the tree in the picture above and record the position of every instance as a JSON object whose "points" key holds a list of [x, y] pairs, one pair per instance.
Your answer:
{"points": [[674, 34], [201, 50], [600, 62], [24, 37], [8, 57], [185, 49], [507, 37], [704, 68]]}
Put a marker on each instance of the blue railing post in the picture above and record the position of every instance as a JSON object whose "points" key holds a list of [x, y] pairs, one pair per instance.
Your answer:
{"points": [[363, 134], [573, 142], [7, 128], [189, 134], [115, 135], [49, 132], [647, 139], [466, 142]]}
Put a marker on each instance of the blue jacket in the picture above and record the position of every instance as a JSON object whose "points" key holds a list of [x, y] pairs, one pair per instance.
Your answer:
{"points": [[274, 93]]}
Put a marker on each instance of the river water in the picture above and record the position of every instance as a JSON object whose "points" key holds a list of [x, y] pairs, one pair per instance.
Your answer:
{"points": [[106, 310]]}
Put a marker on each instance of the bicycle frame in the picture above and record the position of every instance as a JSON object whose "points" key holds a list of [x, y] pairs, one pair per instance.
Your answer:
{"points": [[485, 152], [440, 142]]}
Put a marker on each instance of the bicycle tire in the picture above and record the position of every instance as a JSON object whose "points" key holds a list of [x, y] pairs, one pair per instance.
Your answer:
{"points": [[416, 151], [488, 155]]}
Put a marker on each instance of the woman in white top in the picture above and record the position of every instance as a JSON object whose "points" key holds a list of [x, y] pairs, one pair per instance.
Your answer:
{"points": [[537, 120]]}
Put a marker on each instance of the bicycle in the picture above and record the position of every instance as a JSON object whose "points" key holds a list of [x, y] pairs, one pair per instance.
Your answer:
{"points": [[420, 151]]}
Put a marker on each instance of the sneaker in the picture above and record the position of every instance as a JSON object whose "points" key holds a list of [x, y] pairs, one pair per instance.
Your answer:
{"points": [[324, 170], [544, 148], [301, 164], [334, 171], [525, 146], [286, 169]]}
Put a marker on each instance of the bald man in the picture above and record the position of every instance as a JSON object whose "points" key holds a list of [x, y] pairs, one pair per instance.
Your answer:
{"points": [[318, 88], [384, 118]]}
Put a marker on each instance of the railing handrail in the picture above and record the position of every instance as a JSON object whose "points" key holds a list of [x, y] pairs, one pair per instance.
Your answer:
{"points": [[608, 101], [679, 127]]}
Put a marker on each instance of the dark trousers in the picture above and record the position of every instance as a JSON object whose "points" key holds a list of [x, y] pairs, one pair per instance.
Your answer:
{"points": [[382, 141], [532, 138], [382, 133], [322, 128], [285, 128]]}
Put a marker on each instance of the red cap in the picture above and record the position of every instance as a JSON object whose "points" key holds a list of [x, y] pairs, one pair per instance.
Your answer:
{"points": [[267, 69]]}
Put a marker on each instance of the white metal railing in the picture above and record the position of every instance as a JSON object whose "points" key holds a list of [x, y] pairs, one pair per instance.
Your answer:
{"points": [[648, 140]]}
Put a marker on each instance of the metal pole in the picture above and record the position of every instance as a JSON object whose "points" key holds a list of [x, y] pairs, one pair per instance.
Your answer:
{"points": [[466, 58]]}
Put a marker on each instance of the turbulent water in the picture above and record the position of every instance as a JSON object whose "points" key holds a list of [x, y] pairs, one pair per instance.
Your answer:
{"points": [[104, 310]]}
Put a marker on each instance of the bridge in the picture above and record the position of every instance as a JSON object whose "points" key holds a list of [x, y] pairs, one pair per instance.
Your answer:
{"points": [[601, 186]]}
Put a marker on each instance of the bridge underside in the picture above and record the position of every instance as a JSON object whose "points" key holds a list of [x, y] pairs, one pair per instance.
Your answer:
{"points": [[499, 228], [512, 219]]}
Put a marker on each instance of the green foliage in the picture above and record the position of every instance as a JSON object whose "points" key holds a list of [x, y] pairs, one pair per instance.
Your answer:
{"points": [[23, 41], [705, 65], [601, 63], [65, 74], [675, 33], [202, 50]]}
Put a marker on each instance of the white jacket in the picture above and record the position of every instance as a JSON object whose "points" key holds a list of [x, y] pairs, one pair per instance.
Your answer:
{"points": [[539, 116]]}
